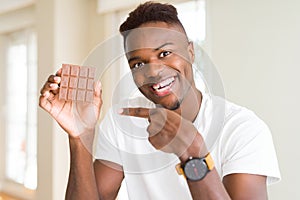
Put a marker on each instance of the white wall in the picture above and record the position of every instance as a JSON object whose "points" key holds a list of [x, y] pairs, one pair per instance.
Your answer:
{"points": [[11, 21], [71, 36], [255, 44], [63, 38], [44, 27], [2, 88]]}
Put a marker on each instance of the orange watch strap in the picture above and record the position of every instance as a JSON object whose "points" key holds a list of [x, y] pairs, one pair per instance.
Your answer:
{"points": [[208, 159], [179, 169]]}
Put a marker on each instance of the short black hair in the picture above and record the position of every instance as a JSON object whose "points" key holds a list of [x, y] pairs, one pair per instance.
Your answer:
{"points": [[150, 12]]}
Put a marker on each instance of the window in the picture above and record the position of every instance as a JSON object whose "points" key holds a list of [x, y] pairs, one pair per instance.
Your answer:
{"points": [[192, 16], [21, 109]]}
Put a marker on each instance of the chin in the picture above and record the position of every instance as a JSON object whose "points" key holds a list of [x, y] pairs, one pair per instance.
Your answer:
{"points": [[171, 105], [174, 106]]}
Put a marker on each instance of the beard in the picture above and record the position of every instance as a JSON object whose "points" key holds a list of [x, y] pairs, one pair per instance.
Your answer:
{"points": [[174, 106]]}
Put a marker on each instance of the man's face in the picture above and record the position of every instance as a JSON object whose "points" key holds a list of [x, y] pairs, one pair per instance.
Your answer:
{"points": [[160, 59]]}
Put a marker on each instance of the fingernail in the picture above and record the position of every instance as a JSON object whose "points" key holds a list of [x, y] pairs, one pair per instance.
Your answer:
{"points": [[46, 94], [99, 85], [56, 78], [120, 111]]}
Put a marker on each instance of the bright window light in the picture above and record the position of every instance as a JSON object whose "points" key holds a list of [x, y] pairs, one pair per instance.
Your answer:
{"points": [[192, 16], [21, 101]]}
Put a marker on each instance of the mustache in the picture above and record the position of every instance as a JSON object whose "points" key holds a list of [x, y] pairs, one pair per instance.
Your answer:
{"points": [[152, 78], [150, 81]]}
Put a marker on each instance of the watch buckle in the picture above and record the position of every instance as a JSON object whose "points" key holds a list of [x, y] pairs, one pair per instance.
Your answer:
{"points": [[179, 170]]}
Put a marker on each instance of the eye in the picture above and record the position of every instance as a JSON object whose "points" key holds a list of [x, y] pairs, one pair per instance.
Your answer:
{"points": [[164, 54], [137, 65]]}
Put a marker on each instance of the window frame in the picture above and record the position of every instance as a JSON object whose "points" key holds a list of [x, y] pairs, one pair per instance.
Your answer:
{"points": [[106, 6], [11, 21]]}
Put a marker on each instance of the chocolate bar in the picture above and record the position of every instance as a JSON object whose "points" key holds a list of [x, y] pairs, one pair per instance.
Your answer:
{"points": [[77, 83]]}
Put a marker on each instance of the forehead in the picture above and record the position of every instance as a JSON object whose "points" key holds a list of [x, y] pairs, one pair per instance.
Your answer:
{"points": [[154, 35]]}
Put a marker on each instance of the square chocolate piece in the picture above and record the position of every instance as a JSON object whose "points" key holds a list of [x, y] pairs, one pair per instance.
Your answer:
{"points": [[82, 83], [89, 96], [63, 93], [72, 94], [75, 70], [73, 82], [81, 95], [83, 72]]}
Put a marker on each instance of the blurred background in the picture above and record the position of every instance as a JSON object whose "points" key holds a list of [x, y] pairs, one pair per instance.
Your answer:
{"points": [[254, 45]]}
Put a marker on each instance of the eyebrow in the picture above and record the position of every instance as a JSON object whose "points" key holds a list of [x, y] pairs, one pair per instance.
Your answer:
{"points": [[161, 46], [156, 49], [134, 58]]}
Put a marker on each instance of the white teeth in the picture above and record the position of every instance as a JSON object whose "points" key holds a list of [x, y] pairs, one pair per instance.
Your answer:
{"points": [[163, 84]]}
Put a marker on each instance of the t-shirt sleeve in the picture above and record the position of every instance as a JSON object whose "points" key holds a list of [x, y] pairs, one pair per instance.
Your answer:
{"points": [[249, 148], [106, 145]]}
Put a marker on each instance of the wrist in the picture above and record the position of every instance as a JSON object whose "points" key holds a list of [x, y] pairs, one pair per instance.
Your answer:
{"points": [[78, 135], [196, 149], [195, 168], [78, 132], [85, 141]]}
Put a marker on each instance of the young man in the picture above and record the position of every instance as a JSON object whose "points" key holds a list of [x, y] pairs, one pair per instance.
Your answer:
{"points": [[144, 141]]}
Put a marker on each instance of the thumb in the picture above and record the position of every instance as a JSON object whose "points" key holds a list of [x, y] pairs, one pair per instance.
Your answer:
{"points": [[97, 93], [98, 89], [44, 103]]}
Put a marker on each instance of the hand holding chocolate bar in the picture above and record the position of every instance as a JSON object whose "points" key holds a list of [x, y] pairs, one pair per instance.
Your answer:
{"points": [[73, 99]]}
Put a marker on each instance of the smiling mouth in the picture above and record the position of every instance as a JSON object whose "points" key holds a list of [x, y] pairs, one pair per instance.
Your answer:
{"points": [[164, 87]]}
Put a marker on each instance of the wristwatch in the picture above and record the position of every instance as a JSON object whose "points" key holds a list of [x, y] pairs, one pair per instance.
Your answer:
{"points": [[195, 169]]}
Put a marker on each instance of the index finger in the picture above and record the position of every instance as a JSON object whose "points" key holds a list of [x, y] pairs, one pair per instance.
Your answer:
{"points": [[59, 71], [136, 112]]}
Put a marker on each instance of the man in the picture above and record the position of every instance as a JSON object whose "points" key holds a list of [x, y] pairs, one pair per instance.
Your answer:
{"points": [[177, 124]]}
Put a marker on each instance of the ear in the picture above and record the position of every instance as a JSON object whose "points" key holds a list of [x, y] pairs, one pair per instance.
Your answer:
{"points": [[191, 51]]}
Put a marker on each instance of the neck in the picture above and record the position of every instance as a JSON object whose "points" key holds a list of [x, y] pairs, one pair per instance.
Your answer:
{"points": [[191, 104]]}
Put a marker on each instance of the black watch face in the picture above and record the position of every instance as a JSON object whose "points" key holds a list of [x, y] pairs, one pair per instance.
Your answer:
{"points": [[195, 169]]}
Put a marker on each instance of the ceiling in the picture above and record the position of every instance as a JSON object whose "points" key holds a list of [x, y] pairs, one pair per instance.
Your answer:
{"points": [[8, 5]]}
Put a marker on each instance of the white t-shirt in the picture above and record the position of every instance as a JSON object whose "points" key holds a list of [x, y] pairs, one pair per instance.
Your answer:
{"points": [[238, 140]]}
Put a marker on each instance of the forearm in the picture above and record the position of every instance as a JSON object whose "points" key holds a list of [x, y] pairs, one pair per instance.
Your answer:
{"points": [[211, 187], [82, 182]]}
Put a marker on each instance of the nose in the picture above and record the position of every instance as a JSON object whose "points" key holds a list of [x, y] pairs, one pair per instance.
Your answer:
{"points": [[154, 68]]}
